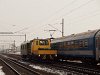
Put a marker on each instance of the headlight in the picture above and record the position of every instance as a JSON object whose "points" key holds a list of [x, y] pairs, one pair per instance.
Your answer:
{"points": [[55, 55], [39, 55]]}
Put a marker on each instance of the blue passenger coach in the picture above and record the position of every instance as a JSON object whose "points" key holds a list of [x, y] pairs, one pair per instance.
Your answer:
{"points": [[83, 46]]}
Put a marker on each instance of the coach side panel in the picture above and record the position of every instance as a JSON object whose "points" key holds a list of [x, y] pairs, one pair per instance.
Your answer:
{"points": [[82, 48], [24, 49]]}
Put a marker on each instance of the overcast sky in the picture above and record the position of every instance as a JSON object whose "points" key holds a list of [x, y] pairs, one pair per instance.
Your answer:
{"points": [[33, 16]]}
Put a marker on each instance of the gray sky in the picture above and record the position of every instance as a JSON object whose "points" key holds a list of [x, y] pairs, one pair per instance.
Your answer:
{"points": [[33, 16]]}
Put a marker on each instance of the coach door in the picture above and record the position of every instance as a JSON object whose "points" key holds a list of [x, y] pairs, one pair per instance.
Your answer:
{"points": [[98, 46]]}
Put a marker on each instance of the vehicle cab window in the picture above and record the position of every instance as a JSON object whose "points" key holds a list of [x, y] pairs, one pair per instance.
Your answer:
{"points": [[43, 42], [36, 42]]}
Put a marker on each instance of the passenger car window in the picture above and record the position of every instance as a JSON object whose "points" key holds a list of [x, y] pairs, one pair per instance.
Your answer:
{"points": [[72, 42], [68, 43], [81, 43], [86, 43]]}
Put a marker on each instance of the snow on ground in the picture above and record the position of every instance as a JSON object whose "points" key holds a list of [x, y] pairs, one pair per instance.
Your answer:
{"points": [[50, 70], [43, 68], [74, 61], [98, 64], [1, 72], [17, 53]]}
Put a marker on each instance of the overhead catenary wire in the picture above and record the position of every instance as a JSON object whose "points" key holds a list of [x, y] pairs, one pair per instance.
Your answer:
{"points": [[20, 30], [54, 28], [91, 14], [73, 1], [75, 9], [81, 18], [64, 14], [59, 10], [86, 17]]}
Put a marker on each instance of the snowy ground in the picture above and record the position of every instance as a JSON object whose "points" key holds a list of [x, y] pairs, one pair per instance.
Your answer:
{"points": [[1, 72], [98, 64], [44, 68], [18, 53], [74, 61], [50, 70]]}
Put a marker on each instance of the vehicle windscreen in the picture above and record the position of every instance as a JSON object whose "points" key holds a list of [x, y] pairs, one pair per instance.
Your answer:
{"points": [[43, 42]]}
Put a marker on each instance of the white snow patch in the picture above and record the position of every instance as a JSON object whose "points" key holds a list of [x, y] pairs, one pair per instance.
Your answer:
{"points": [[17, 53], [98, 64], [49, 70], [1, 72], [26, 63], [74, 61]]}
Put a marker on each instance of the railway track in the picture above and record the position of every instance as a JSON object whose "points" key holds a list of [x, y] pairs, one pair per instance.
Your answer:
{"points": [[73, 68], [77, 68], [17, 68]]}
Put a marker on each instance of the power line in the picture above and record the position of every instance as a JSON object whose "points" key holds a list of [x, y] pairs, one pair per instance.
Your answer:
{"points": [[84, 4], [77, 8], [59, 10], [73, 11], [50, 16], [54, 28], [73, 1], [83, 19], [91, 14], [6, 32], [21, 30], [64, 14], [9, 41], [82, 16]]}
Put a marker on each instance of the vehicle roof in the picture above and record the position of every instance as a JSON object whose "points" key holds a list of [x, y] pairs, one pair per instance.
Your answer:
{"points": [[40, 39], [32, 40], [89, 34], [25, 42]]}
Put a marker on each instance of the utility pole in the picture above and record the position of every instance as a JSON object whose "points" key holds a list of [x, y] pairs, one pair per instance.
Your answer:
{"points": [[25, 37], [3, 48], [14, 45], [62, 27]]}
